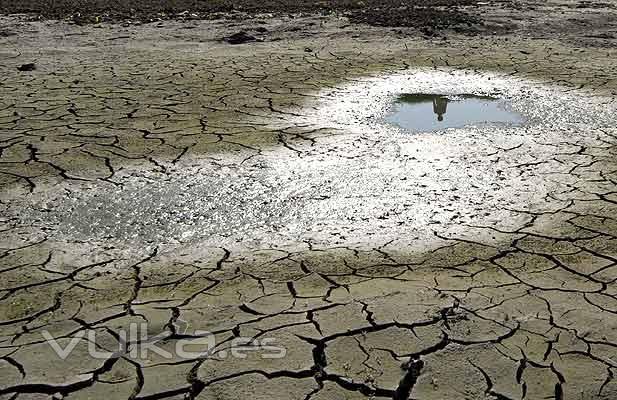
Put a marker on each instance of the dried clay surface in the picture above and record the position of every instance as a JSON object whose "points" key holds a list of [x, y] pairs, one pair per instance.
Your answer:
{"points": [[161, 176]]}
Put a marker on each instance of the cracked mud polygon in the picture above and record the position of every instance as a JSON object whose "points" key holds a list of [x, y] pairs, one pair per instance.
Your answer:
{"points": [[152, 174]]}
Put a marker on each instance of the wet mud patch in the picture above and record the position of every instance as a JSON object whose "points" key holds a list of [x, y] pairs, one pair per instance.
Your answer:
{"points": [[209, 202]]}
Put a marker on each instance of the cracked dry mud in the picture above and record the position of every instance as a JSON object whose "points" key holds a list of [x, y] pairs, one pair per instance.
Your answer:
{"points": [[158, 175]]}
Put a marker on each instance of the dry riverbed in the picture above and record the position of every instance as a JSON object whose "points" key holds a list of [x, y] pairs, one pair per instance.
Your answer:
{"points": [[157, 176]]}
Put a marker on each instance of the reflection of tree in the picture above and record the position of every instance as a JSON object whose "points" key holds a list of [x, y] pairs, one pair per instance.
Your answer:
{"points": [[440, 104]]}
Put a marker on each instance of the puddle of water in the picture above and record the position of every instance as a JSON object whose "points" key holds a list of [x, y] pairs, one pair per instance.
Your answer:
{"points": [[429, 112]]}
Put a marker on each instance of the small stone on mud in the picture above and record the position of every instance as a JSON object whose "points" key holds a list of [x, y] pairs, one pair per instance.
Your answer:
{"points": [[239, 38], [27, 67]]}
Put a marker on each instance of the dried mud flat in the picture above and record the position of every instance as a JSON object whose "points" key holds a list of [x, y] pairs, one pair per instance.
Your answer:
{"points": [[157, 174]]}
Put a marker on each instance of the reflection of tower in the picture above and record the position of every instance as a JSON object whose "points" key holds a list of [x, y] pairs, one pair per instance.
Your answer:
{"points": [[439, 106]]}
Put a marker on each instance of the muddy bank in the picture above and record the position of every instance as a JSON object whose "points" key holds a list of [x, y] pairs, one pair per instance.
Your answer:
{"points": [[422, 14]]}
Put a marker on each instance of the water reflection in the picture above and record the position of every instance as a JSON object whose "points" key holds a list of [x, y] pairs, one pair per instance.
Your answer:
{"points": [[413, 111], [440, 105]]}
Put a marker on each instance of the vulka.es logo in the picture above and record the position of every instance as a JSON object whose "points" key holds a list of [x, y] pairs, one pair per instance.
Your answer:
{"points": [[138, 344]]}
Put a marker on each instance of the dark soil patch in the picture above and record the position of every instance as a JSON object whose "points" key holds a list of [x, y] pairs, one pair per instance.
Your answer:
{"points": [[27, 67], [434, 14], [239, 38]]}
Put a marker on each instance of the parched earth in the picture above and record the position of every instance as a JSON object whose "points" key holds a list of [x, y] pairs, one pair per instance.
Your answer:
{"points": [[157, 176]]}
